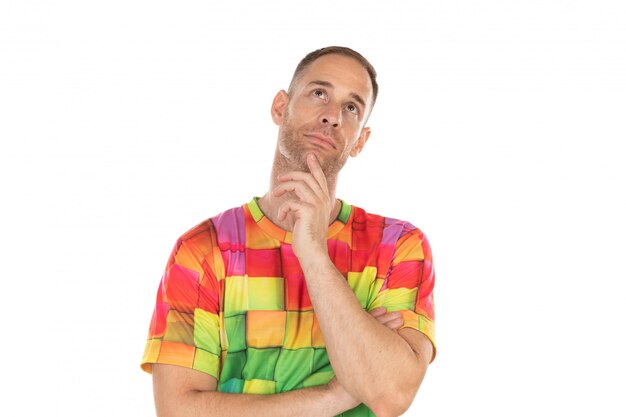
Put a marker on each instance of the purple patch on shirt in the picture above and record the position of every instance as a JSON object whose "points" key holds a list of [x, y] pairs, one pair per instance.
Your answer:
{"points": [[230, 227], [392, 231]]}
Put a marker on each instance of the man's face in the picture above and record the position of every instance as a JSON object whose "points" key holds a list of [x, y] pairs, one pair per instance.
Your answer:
{"points": [[325, 114]]}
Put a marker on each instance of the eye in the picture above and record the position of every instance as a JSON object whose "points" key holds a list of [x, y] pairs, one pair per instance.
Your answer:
{"points": [[352, 108], [319, 93]]}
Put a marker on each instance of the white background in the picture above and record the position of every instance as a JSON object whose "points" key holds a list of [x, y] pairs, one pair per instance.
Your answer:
{"points": [[497, 131]]}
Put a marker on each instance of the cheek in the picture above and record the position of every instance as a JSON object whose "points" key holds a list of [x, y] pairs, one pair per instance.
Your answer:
{"points": [[352, 132], [307, 109], [295, 114], [354, 137]]}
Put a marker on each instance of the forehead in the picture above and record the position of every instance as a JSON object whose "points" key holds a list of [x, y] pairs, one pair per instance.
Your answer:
{"points": [[343, 72]]}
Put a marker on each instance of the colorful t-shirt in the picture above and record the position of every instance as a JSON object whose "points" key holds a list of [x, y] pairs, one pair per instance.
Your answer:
{"points": [[233, 300]]}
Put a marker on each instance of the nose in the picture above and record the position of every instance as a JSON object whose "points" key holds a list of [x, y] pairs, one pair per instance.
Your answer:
{"points": [[331, 116]]}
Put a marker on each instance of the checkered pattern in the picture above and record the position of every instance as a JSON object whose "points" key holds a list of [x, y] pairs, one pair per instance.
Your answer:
{"points": [[233, 301]]}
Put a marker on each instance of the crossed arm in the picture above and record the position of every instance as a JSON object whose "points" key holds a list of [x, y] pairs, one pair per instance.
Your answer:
{"points": [[186, 392], [180, 391], [374, 362]]}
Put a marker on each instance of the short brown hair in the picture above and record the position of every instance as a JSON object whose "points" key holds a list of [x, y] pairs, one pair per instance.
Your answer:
{"points": [[340, 50]]}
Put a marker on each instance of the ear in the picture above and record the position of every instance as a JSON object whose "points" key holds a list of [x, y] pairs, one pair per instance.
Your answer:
{"points": [[360, 142], [279, 105]]}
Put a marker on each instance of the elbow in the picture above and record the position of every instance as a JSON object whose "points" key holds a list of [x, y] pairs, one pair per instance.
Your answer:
{"points": [[392, 404], [398, 394], [388, 410]]}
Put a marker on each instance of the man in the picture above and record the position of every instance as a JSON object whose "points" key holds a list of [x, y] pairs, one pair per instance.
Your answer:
{"points": [[297, 293]]}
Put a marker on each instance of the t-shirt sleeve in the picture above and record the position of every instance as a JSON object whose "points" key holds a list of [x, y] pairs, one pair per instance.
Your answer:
{"points": [[408, 286], [185, 325]]}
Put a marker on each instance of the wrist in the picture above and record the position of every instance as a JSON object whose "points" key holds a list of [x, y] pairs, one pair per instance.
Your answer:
{"points": [[315, 261], [340, 397]]}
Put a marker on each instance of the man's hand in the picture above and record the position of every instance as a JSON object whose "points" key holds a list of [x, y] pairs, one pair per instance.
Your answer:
{"points": [[311, 211], [392, 320]]}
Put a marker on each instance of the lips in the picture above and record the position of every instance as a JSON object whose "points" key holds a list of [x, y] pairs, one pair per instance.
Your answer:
{"points": [[321, 139]]}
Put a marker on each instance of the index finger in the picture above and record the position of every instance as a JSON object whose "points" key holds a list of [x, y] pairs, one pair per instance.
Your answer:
{"points": [[316, 170]]}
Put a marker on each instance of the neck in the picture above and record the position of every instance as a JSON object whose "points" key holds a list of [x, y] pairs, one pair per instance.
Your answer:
{"points": [[270, 204]]}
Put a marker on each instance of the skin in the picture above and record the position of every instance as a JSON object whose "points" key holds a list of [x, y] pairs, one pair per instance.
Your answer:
{"points": [[321, 124], [328, 100]]}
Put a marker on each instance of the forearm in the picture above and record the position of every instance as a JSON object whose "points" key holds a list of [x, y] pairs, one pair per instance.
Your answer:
{"points": [[360, 349], [313, 401], [374, 364]]}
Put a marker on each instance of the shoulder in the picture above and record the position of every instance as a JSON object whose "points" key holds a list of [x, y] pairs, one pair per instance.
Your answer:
{"points": [[407, 241], [393, 229], [204, 236]]}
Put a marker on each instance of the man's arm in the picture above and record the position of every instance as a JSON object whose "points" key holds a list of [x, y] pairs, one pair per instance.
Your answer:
{"points": [[375, 365], [381, 368], [184, 392]]}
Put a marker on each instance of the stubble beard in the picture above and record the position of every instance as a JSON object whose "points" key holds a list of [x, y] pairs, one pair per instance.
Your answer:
{"points": [[293, 149]]}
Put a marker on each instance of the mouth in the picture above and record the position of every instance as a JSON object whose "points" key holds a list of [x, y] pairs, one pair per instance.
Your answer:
{"points": [[322, 140]]}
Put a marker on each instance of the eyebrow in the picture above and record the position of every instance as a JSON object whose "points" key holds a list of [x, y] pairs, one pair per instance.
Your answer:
{"points": [[354, 96]]}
